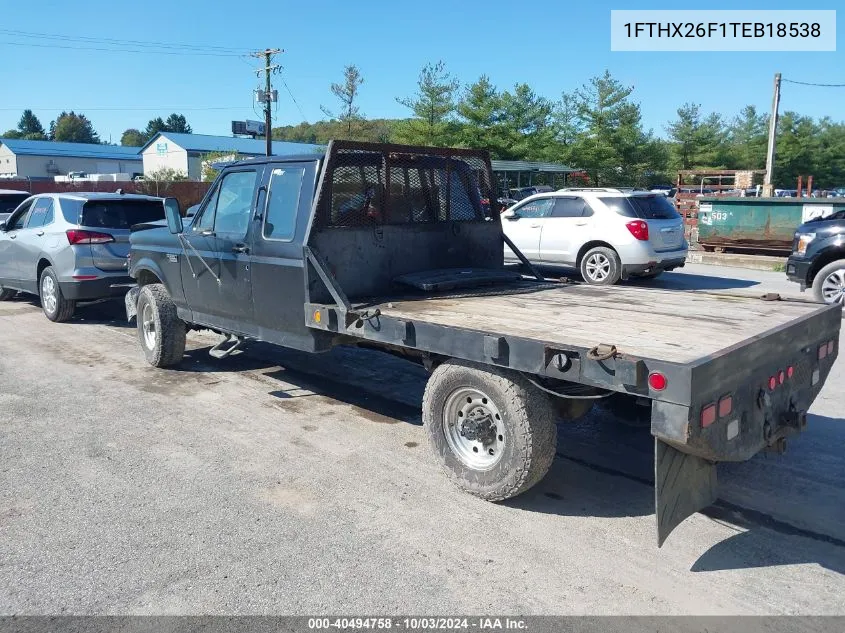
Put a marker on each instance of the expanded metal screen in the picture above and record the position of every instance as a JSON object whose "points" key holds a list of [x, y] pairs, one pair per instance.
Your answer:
{"points": [[372, 184]]}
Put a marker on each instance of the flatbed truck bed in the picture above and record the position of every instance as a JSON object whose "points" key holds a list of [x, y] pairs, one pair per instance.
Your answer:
{"points": [[397, 248]]}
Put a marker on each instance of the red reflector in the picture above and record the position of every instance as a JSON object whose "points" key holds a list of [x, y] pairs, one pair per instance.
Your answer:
{"points": [[725, 406], [823, 352], [657, 381], [773, 383], [830, 347], [84, 277], [708, 415], [789, 371], [75, 236], [638, 229], [781, 377]]}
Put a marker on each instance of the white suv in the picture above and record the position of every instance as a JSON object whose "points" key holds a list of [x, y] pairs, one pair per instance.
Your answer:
{"points": [[608, 234]]}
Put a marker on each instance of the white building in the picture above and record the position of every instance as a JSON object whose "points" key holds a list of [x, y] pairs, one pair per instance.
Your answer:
{"points": [[46, 159], [186, 152]]}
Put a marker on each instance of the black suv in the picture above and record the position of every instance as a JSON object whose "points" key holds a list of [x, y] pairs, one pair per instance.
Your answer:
{"points": [[818, 257]]}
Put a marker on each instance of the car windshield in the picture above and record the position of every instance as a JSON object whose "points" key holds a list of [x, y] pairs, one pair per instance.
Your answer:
{"points": [[642, 207], [10, 201], [121, 214]]}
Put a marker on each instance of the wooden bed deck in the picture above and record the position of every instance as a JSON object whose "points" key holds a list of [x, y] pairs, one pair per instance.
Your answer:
{"points": [[670, 325]]}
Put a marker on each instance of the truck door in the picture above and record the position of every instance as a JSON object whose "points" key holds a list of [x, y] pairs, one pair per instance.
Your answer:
{"points": [[278, 291], [221, 292]]}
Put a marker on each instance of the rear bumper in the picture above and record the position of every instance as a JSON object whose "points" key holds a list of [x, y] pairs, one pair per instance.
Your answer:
{"points": [[665, 264], [798, 270], [92, 289]]}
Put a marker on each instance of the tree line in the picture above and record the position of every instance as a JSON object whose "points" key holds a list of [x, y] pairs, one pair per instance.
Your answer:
{"points": [[72, 127], [597, 128]]}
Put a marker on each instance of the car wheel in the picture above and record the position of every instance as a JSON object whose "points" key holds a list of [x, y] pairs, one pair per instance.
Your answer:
{"points": [[160, 331], [493, 432], [600, 266], [829, 283], [7, 293], [53, 302]]}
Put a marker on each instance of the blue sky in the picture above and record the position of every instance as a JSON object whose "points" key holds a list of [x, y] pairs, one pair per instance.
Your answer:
{"points": [[551, 45]]}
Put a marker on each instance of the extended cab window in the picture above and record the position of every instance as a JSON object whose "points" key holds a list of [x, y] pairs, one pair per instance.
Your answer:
{"points": [[234, 203], [282, 203]]}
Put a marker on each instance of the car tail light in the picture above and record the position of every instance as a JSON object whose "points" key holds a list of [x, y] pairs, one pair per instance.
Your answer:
{"points": [[829, 348], [638, 229], [773, 382], [790, 371], [75, 236], [708, 415], [823, 352], [781, 377], [657, 381], [725, 406]]}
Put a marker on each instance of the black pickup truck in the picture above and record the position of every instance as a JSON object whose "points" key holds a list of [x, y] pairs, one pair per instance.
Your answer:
{"points": [[398, 248]]}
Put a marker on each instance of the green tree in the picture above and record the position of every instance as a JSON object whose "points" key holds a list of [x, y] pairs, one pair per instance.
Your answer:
{"points": [[154, 126], [177, 123], [30, 127], [611, 145], [12, 134], [73, 128], [433, 106], [698, 142], [347, 93], [133, 138], [748, 135], [525, 124], [209, 173], [480, 110]]}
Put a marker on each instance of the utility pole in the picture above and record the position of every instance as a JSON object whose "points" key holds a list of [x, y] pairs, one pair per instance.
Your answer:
{"points": [[268, 96], [768, 188]]}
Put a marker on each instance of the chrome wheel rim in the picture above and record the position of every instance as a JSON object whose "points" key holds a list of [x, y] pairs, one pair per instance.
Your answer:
{"points": [[48, 294], [597, 267], [833, 287], [474, 429], [148, 327]]}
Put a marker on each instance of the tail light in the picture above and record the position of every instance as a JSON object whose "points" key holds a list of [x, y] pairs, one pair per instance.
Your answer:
{"points": [[790, 371], [638, 229], [773, 382], [657, 381], [725, 406], [75, 236], [708, 415], [830, 348], [823, 352]]}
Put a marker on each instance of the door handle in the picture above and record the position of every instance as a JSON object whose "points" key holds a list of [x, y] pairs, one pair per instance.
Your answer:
{"points": [[240, 248], [40, 233], [536, 226], [580, 224], [12, 236]]}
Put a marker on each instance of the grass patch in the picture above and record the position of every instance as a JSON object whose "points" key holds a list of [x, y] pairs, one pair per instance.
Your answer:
{"points": [[779, 268]]}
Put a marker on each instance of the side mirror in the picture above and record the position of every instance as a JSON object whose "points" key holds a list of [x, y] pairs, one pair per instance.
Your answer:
{"points": [[3, 226], [173, 213], [510, 215]]}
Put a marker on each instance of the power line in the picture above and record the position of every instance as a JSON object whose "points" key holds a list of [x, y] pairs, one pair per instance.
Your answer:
{"points": [[132, 109], [296, 103], [121, 50], [807, 83], [107, 40]]}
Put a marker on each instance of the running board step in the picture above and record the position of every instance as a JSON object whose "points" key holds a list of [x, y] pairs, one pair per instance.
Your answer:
{"points": [[226, 347]]}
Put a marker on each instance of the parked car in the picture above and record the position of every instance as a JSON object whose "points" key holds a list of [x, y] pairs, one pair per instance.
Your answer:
{"points": [[9, 201], [818, 258], [608, 234], [523, 192], [71, 247]]}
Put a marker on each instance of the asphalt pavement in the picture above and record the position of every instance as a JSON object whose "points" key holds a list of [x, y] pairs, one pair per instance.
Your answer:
{"points": [[277, 482]]}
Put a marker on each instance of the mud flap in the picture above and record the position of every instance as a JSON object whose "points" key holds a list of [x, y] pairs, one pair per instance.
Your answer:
{"points": [[683, 485]]}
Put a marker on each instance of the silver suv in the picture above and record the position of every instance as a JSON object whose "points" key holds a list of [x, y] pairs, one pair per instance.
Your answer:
{"points": [[608, 234], [71, 247]]}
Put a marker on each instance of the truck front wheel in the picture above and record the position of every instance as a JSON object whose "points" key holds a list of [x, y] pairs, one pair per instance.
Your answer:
{"points": [[493, 431], [160, 331]]}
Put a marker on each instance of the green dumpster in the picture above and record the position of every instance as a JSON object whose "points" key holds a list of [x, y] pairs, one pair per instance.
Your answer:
{"points": [[758, 223]]}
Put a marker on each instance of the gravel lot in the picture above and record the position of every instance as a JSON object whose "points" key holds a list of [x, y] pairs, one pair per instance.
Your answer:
{"points": [[278, 482]]}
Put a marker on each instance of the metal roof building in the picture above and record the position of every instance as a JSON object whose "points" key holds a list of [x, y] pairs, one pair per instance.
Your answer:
{"points": [[516, 173], [185, 152], [45, 159]]}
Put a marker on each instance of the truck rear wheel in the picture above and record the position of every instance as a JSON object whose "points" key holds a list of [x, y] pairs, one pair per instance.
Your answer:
{"points": [[160, 331], [493, 431]]}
